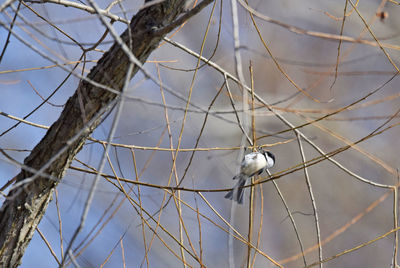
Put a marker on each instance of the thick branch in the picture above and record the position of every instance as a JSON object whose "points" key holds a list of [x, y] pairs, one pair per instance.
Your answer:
{"points": [[26, 205]]}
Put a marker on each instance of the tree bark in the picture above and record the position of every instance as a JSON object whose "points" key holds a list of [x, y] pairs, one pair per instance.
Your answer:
{"points": [[25, 206]]}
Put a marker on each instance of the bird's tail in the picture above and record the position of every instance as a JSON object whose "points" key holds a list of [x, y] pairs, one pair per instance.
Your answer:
{"points": [[237, 192]]}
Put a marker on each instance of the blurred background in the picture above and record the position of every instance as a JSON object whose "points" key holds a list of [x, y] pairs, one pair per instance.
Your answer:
{"points": [[299, 40]]}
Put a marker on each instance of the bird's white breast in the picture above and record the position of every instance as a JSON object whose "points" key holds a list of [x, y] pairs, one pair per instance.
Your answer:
{"points": [[252, 163]]}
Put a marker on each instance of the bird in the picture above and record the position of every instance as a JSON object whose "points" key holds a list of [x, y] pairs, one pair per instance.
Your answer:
{"points": [[252, 164]]}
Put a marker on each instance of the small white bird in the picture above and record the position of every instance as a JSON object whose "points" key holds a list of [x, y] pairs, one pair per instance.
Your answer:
{"points": [[253, 164]]}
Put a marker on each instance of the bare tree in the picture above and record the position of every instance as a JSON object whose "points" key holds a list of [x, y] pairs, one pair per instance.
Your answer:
{"points": [[134, 117], [45, 166]]}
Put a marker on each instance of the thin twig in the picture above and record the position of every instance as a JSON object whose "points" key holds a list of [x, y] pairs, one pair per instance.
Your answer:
{"points": [[9, 32], [48, 245], [311, 193], [290, 215], [252, 190], [339, 45]]}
